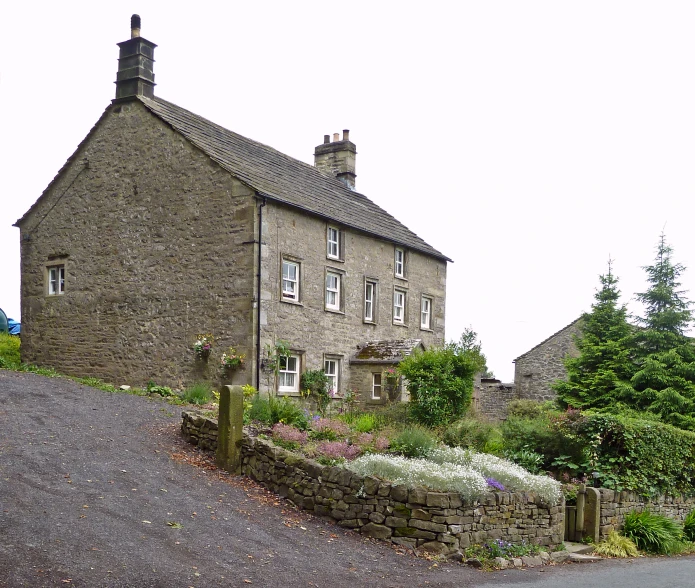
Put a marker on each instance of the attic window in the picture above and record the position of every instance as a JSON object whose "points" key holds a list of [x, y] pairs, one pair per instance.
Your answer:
{"points": [[399, 263], [56, 280]]}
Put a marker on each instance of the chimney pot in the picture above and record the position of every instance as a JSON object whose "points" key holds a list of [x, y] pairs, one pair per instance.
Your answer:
{"points": [[135, 76], [337, 158], [134, 26]]}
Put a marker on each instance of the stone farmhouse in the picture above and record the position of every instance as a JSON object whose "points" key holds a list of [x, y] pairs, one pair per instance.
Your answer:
{"points": [[163, 225]]}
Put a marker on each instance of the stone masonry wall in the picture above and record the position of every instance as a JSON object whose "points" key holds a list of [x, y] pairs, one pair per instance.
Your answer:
{"points": [[440, 522], [536, 370], [616, 505], [157, 243], [315, 332], [490, 399]]}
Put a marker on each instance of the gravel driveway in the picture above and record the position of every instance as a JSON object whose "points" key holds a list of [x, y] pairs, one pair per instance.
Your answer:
{"points": [[97, 489]]}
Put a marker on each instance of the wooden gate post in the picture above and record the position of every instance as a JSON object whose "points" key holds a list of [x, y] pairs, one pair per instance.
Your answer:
{"points": [[230, 429]]}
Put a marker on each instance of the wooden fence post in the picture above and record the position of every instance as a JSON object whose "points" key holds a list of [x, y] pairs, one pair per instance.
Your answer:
{"points": [[230, 429]]}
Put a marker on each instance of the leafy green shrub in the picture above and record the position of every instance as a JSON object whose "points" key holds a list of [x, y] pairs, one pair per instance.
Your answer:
{"points": [[280, 409], [366, 422], [471, 433], [9, 351], [440, 382], [315, 385], [199, 393], [414, 441], [260, 411], [153, 388], [652, 532], [394, 414], [615, 545], [526, 458], [529, 409], [642, 456], [689, 526]]}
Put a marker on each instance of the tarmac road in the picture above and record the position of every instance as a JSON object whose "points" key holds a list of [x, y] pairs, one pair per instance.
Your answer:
{"points": [[98, 490]]}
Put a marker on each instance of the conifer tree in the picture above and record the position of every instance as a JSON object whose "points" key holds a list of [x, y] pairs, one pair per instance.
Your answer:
{"points": [[664, 380], [603, 364]]}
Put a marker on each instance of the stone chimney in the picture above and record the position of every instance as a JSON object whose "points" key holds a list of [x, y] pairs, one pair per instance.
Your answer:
{"points": [[135, 75], [337, 158]]}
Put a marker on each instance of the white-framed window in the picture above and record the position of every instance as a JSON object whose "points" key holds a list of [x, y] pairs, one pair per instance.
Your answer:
{"points": [[288, 374], [399, 263], [376, 386], [56, 280], [399, 306], [370, 301], [333, 244], [290, 280], [333, 290], [331, 367], [426, 312]]}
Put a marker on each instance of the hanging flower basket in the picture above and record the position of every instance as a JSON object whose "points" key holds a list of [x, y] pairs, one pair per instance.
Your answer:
{"points": [[232, 361], [203, 346]]}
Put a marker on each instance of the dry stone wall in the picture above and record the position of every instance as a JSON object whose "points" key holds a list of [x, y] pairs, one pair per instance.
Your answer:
{"points": [[440, 522], [616, 505]]}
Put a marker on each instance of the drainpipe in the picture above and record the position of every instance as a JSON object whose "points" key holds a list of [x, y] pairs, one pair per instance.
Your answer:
{"points": [[258, 295]]}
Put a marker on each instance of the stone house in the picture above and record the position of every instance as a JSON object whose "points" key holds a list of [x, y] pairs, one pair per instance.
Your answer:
{"points": [[537, 369], [163, 225]]}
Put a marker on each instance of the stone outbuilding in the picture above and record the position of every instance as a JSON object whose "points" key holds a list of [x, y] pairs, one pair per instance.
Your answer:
{"points": [[537, 369], [163, 226]]}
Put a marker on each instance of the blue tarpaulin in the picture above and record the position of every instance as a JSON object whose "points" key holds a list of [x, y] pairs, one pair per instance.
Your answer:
{"points": [[13, 326]]}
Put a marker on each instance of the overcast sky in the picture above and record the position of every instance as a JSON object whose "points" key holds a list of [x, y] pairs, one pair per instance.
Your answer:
{"points": [[526, 140]]}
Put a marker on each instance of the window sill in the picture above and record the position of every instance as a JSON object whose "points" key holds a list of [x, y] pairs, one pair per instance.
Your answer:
{"points": [[366, 322], [285, 393], [426, 330], [338, 259], [293, 302], [395, 324], [334, 311], [401, 278]]}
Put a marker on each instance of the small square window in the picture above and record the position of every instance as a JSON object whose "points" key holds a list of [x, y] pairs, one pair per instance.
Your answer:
{"points": [[370, 301], [399, 307], [290, 280], [331, 367], [376, 386], [426, 312], [288, 374], [399, 263], [333, 290], [333, 243], [56, 280]]}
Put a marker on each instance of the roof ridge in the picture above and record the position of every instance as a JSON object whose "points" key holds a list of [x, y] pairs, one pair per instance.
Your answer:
{"points": [[285, 179]]}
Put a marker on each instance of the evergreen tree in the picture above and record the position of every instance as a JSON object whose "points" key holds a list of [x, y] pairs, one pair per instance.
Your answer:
{"points": [[603, 365], [664, 381]]}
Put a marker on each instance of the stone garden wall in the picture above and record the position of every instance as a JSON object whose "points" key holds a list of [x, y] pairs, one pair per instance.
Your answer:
{"points": [[435, 521], [616, 505]]}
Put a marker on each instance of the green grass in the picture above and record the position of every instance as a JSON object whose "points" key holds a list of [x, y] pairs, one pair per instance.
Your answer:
{"points": [[615, 545], [9, 352], [199, 393], [689, 526]]}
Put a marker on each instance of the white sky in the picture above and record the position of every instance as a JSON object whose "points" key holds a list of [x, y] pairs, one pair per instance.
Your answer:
{"points": [[525, 140]]}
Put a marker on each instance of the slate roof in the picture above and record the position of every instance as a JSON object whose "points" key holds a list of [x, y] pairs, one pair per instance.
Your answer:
{"points": [[284, 179], [385, 351]]}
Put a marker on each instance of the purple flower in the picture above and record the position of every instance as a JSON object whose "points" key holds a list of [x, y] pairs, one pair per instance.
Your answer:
{"points": [[494, 484]]}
